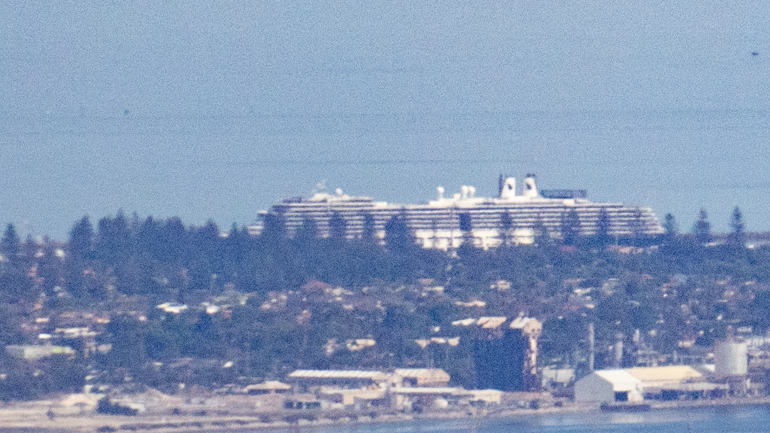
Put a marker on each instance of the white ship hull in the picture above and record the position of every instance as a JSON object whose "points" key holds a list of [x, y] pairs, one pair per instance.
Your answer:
{"points": [[437, 224]]}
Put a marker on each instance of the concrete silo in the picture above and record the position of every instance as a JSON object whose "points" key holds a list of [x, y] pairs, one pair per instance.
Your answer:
{"points": [[730, 358]]}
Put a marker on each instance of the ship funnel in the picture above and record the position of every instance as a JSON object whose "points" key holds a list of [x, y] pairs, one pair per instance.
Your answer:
{"points": [[471, 191], [508, 188], [530, 189], [464, 191], [440, 191]]}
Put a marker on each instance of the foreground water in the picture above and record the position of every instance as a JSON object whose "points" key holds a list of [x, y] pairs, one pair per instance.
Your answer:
{"points": [[719, 419]]}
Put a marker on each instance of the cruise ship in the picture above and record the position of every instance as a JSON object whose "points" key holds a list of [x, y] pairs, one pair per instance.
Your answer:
{"points": [[437, 223]]}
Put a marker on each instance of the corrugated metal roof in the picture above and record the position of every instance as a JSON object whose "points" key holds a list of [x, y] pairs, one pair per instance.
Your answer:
{"points": [[621, 380], [338, 374], [491, 322], [426, 374], [496, 321], [437, 390], [526, 324], [670, 373], [364, 394], [519, 322], [464, 322], [268, 385], [698, 386], [422, 342]]}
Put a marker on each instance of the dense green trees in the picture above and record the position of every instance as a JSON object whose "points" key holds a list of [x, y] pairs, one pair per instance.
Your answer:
{"points": [[398, 236], [15, 283], [506, 228], [570, 227], [737, 236], [702, 228], [128, 337], [603, 224], [541, 236], [368, 232], [338, 228]]}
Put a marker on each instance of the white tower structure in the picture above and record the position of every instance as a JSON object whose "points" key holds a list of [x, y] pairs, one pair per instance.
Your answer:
{"points": [[509, 189], [530, 189], [730, 358]]}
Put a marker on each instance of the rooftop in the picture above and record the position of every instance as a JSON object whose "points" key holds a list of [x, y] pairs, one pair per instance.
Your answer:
{"points": [[338, 374], [434, 375], [655, 376], [621, 380]]}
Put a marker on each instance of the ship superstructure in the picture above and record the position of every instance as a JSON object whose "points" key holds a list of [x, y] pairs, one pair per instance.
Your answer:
{"points": [[444, 223]]}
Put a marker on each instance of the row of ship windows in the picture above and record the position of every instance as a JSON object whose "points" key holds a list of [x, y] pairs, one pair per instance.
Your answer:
{"points": [[480, 220]]}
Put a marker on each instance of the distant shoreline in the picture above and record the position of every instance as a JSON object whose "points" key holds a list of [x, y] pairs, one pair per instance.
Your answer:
{"points": [[31, 416]]}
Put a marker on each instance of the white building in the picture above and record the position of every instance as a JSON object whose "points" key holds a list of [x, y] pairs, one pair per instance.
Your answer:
{"points": [[423, 376], [661, 383], [607, 386], [670, 377]]}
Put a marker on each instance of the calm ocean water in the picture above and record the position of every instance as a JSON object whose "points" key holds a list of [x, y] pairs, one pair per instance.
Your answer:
{"points": [[721, 419]]}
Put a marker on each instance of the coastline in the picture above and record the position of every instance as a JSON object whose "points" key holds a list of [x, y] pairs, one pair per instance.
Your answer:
{"points": [[33, 416]]}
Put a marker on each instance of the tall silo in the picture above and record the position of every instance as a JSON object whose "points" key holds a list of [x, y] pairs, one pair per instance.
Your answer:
{"points": [[730, 358]]}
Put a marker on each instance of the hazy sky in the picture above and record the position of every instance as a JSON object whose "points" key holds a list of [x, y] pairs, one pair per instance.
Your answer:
{"points": [[214, 110]]}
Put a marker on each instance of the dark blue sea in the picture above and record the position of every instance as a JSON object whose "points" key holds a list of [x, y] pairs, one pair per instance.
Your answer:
{"points": [[712, 419]]}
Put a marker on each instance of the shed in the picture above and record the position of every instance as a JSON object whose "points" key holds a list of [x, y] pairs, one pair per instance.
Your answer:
{"points": [[423, 376], [675, 382], [339, 378], [665, 377], [607, 386], [267, 387]]}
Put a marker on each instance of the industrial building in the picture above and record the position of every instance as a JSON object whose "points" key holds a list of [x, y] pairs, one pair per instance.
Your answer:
{"points": [[359, 379], [304, 380], [607, 386], [404, 389], [504, 351], [422, 376], [672, 382], [267, 387], [730, 358]]}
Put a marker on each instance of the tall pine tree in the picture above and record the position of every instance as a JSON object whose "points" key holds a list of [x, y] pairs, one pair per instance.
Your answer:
{"points": [[737, 237], [702, 228]]}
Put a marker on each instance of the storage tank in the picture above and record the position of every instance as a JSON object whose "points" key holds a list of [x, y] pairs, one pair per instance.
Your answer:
{"points": [[730, 358]]}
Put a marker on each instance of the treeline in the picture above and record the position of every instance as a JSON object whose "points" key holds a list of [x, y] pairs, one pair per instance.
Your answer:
{"points": [[166, 259]]}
